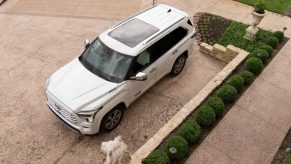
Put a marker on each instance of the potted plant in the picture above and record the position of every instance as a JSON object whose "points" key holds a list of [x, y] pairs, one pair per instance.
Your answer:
{"points": [[259, 12]]}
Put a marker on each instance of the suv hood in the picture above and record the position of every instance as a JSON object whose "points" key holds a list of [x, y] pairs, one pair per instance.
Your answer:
{"points": [[76, 87]]}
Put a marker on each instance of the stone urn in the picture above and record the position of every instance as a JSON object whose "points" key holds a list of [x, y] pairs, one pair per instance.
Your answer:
{"points": [[257, 18]]}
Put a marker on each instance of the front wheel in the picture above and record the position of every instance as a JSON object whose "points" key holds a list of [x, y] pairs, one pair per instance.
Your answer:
{"points": [[112, 119], [178, 65]]}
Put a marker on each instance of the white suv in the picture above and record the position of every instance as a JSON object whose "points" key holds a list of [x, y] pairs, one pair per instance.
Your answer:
{"points": [[91, 92]]}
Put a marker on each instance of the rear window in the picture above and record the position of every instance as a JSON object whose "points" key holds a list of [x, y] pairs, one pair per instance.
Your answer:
{"points": [[133, 32]]}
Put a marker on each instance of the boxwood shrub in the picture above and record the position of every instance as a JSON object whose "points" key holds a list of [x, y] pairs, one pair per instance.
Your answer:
{"points": [[189, 132], [279, 35], [261, 54], [273, 41], [268, 48], [205, 116], [157, 157], [227, 93], [248, 77], [237, 81], [217, 105], [254, 65], [179, 144]]}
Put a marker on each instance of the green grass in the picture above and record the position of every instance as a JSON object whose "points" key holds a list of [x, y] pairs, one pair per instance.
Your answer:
{"points": [[277, 6], [287, 159], [234, 35]]}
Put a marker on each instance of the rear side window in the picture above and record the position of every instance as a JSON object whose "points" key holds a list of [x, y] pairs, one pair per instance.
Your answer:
{"points": [[167, 42], [189, 22]]}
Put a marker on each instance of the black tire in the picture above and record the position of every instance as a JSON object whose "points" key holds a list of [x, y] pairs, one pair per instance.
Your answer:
{"points": [[178, 65], [112, 119]]}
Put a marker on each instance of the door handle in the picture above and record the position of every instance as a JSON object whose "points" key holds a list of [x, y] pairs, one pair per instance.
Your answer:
{"points": [[175, 51], [152, 70]]}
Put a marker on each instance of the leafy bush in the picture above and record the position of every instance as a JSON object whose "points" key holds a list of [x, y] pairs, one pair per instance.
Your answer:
{"points": [[268, 48], [178, 143], [189, 132], [261, 54], [157, 157], [287, 159], [273, 41], [260, 7], [205, 116], [248, 77], [279, 35], [254, 65], [227, 93], [237, 81], [217, 104]]}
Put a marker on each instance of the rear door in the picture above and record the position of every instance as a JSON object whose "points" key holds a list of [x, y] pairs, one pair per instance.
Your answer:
{"points": [[167, 49]]}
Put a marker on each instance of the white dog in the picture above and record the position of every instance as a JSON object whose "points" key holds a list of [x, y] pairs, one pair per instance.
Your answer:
{"points": [[117, 152]]}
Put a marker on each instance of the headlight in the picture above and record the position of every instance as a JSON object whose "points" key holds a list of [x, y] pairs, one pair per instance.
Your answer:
{"points": [[88, 115], [47, 83]]}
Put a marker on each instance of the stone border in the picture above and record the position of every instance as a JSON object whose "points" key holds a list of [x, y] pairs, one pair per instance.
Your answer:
{"points": [[225, 54], [175, 121]]}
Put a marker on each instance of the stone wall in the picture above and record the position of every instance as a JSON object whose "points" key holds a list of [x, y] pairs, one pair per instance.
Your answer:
{"points": [[225, 54]]}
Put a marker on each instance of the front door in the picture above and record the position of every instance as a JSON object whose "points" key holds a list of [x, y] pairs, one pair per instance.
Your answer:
{"points": [[142, 64]]}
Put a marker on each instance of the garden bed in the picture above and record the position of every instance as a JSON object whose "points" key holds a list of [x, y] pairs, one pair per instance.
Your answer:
{"points": [[282, 153], [181, 142]]}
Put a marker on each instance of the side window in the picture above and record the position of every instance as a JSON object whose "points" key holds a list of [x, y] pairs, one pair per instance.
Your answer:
{"points": [[167, 42], [189, 22], [142, 61]]}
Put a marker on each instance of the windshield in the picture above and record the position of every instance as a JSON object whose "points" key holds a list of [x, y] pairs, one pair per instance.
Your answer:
{"points": [[105, 62]]}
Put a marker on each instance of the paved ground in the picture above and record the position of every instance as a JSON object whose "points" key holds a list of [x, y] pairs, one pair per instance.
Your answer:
{"points": [[109, 9], [31, 49]]}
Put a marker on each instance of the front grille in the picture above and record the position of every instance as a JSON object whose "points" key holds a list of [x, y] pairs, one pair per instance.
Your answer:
{"points": [[67, 115]]}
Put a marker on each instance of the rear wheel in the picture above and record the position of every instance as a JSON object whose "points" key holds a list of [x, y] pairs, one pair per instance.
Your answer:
{"points": [[178, 65], [112, 119]]}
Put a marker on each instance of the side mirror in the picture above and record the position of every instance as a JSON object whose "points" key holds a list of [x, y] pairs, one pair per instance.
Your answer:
{"points": [[139, 77], [87, 44]]}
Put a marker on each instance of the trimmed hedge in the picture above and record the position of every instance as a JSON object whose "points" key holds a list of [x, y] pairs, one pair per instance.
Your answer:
{"points": [[189, 132], [205, 116], [248, 77], [217, 105], [227, 93], [180, 144], [279, 35], [237, 81], [268, 48], [157, 157], [254, 65], [273, 41], [261, 54]]}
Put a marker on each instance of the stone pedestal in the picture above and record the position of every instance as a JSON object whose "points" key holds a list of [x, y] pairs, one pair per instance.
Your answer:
{"points": [[251, 33]]}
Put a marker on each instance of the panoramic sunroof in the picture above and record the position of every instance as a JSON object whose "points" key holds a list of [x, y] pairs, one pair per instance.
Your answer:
{"points": [[133, 32]]}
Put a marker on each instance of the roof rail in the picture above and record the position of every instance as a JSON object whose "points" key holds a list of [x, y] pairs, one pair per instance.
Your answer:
{"points": [[162, 31], [124, 20]]}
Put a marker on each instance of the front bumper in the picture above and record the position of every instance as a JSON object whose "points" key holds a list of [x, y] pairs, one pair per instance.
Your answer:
{"points": [[79, 125]]}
